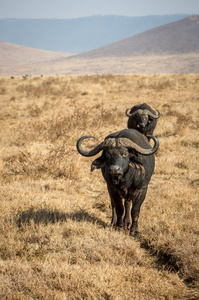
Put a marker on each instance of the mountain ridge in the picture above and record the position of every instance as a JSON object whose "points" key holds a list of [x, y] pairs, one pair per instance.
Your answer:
{"points": [[77, 35], [172, 48], [177, 37]]}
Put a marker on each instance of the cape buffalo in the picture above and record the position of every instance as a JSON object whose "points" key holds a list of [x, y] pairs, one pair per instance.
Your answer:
{"points": [[142, 118], [127, 163]]}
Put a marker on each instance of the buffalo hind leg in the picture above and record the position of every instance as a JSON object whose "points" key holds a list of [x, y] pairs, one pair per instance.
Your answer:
{"points": [[134, 226], [126, 219], [136, 211]]}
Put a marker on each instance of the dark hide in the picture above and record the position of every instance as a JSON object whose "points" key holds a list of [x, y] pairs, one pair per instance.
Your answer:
{"points": [[142, 122], [127, 174]]}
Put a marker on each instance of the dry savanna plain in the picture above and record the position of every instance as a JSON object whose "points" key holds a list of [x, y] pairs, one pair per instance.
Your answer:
{"points": [[56, 239]]}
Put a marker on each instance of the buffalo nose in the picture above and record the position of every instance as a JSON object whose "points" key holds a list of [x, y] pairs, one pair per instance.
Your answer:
{"points": [[115, 169], [142, 125]]}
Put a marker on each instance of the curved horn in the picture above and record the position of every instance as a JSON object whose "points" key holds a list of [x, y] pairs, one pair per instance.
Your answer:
{"points": [[117, 142], [139, 111], [87, 153], [125, 142], [146, 111], [105, 144], [127, 112], [156, 144]]}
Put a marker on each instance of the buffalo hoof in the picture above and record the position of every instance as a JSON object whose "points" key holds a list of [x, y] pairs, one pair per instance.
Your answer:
{"points": [[134, 233], [119, 228], [126, 227]]}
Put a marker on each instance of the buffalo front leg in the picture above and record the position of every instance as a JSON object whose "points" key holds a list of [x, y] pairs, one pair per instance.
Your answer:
{"points": [[114, 216], [117, 208]]}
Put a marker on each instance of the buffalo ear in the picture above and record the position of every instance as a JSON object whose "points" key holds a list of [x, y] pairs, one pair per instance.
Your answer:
{"points": [[150, 119], [97, 163]]}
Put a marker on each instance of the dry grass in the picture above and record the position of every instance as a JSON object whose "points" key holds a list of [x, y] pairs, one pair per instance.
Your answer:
{"points": [[55, 236]]}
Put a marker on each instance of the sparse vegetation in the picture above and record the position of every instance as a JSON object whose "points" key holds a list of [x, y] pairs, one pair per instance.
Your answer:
{"points": [[56, 241]]}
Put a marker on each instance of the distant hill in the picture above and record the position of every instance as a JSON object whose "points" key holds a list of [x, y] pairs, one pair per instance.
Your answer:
{"points": [[21, 54], [172, 48], [178, 37], [14, 59], [77, 35]]}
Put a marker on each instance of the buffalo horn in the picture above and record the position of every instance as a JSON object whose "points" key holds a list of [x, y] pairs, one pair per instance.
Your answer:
{"points": [[108, 143], [154, 116], [127, 143], [117, 142], [145, 111], [128, 112]]}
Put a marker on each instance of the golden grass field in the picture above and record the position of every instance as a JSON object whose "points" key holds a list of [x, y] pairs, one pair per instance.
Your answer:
{"points": [[56, 241]]}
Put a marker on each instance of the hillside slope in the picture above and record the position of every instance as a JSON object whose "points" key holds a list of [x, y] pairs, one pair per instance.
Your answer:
{"points": [[77, 35], [15, 58], [20, 53], [178, 37], [172, 48]]}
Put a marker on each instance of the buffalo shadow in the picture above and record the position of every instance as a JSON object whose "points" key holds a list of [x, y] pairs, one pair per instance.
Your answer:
{"points": [[46, 216]]}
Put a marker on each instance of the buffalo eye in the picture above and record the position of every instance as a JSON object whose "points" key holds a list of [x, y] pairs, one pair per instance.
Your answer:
{"points": [[125, 154], [107, 155]]}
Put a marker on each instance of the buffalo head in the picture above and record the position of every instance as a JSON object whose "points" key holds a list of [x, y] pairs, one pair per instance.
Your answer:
{"points": [[141, 119], [117, 154]]}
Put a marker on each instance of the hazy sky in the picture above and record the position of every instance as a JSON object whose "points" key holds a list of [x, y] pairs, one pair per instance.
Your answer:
{"points": [[83, 8]]}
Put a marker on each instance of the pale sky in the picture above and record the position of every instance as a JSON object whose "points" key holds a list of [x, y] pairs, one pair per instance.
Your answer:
{"points": [[66, 9]]}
